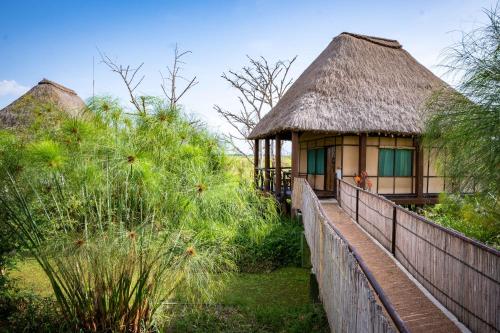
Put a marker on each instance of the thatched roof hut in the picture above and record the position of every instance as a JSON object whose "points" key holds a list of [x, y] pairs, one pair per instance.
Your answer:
{"points": [[358, 84], [43, 97]]}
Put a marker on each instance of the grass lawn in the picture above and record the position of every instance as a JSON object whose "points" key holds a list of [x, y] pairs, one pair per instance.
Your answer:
{"points": [[263, 302]]}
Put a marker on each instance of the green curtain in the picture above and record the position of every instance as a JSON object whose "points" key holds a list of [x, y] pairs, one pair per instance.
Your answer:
{"points": [[311, 161], [320, 161], [403, 162], [386, 162]]}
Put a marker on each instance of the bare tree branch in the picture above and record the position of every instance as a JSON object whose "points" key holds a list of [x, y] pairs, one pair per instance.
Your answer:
{"points": [[124, 73], [173, 77], [260, 85]]}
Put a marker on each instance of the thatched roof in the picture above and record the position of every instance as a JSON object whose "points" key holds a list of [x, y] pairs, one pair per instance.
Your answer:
{"points": [[41, 98], [358, 84]]}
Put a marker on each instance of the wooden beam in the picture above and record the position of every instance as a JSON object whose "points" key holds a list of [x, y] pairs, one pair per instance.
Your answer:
{"points": [[277, 176], [419, 183], [362, 153], [267, 165], [295, 155], [256, 162], [431, 200]]}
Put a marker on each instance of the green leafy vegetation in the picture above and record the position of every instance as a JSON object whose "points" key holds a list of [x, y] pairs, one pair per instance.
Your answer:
{"points": [[124, 213], [465, 126], [467, 215]]}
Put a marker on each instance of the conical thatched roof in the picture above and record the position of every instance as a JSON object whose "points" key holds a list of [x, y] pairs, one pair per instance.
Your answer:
{"points": [[357, 84], [41, 98]]}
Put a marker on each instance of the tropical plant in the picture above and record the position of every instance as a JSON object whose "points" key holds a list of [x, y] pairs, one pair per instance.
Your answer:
{"points": [[469, 215], [465, 125], [124, 213], [465, 128]]}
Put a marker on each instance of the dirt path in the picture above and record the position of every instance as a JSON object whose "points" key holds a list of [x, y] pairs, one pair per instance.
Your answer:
{"points": [[414, 308]]}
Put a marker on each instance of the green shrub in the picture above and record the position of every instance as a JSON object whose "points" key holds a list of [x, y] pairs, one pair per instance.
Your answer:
{"points": [[475, 216], [22, 311], [280, 246]]}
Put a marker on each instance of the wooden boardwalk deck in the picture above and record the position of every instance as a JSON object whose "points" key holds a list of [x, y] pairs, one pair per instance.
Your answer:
{"points": [[418, 312]]}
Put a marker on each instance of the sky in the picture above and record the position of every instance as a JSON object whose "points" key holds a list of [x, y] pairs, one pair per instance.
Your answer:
{"points": [[58, 40]]}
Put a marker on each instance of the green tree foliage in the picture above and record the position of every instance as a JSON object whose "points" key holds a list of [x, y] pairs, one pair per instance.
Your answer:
{"points": [[465, 126], [124, 212]]}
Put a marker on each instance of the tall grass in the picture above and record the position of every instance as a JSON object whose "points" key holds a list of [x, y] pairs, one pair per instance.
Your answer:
{"points": [[125, 214]]}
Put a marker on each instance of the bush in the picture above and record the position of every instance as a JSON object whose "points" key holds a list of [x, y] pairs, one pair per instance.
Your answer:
{"points": [[475, 216], [279, 247], [31, 313]]}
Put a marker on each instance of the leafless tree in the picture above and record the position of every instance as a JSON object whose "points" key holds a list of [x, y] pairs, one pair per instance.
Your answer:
{"points": [[170, 89], [168, 84], [260, 85], [128, 76]]}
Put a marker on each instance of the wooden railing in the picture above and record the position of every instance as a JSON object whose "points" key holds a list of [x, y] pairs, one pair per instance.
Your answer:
{"points": [[347, 288], [464, 275], [285, 180]]}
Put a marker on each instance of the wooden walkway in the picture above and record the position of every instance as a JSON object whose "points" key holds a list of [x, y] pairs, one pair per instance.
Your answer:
{"points": [[418, 312]]}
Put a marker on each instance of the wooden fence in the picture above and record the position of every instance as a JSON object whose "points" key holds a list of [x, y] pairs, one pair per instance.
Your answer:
{"points": [[464, 275], [347, 289]]}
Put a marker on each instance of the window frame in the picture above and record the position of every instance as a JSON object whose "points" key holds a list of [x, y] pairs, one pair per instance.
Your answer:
{"points": [[322, 165], [394, 170]]}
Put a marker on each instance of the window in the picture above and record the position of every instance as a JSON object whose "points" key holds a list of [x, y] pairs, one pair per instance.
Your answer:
{"points": [[386, 162], [395, 162], [316, 161]]}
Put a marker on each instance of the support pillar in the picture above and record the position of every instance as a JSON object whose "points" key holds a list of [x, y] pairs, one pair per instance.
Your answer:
{"points": [[256, 162], [419, 183], [295, 164], [277, 176], [267, 166], [362, 153], [295, 156]]}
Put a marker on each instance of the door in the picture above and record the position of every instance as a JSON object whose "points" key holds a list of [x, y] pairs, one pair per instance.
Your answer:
{"points": [[330, 181]]}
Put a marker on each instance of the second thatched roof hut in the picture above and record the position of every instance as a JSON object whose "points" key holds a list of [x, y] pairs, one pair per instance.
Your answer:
{"points": [[47, 96]]}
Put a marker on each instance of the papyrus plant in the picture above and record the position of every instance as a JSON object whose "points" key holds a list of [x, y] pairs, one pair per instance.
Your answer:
{"points": [[108, 277]]}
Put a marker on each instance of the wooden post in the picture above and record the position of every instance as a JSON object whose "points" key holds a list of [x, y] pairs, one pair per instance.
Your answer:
{"points": [[419, 183], [394, 223], [256, 162], [362, 153], [357, 205], [277, 176], [267, 166], [295, 156], [339, 190]]}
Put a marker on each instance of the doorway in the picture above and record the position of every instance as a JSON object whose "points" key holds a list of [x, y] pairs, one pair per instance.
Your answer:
{"points": [[330, 179]]}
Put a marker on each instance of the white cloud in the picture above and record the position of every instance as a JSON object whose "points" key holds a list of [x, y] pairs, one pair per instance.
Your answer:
{"points": [[11, 88]]}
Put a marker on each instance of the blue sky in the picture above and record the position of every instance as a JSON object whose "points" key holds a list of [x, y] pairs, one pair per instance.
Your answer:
{"points": [[57, 39]]}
